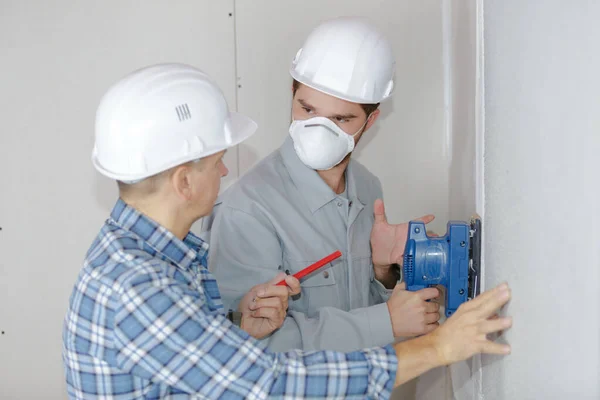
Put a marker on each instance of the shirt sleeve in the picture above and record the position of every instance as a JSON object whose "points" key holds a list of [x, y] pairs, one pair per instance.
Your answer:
{"points": [[164, 333], [334, 329], [245, 251]]}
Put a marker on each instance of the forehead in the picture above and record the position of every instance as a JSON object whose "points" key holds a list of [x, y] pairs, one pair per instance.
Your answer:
{"points": [[326, 104]]}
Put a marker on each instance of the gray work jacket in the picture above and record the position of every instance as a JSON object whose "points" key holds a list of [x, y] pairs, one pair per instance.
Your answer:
{"points": [[282, 216]]}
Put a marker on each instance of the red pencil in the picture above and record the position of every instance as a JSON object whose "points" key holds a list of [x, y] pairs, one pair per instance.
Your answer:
{"points": [[314, 267]]}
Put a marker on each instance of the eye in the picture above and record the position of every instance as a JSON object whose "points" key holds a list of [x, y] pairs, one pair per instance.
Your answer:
{"points": [[341, 120], [307, 110]]}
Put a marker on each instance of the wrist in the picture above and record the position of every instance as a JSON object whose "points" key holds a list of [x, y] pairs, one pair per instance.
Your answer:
{"points": [[236, 318], [382, 268], [415, 357], [388, 275], [431, 347], [395, 330]]}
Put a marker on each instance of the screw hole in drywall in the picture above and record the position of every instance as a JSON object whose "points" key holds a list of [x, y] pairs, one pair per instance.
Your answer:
{"points": [[231, 14], [3, 332]]}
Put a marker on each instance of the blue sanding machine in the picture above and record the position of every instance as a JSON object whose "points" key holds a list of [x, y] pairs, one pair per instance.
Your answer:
{"points": [[452, 260]]}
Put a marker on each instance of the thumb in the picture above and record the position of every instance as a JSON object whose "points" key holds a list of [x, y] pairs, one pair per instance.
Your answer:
{"points": [[278, 278], [426, 218], [379, 211], [399, 287]]}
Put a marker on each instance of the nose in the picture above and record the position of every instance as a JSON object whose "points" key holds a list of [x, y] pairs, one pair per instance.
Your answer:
{"points": [[224, 170]]}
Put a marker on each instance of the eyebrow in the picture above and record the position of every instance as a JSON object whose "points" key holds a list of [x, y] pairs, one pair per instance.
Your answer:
{"points": [[340, 116]]}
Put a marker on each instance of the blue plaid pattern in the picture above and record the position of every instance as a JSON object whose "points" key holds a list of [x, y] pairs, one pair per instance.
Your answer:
{"points": [[146, 321]]}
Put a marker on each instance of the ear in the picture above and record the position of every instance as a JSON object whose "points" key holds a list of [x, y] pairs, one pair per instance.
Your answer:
{"points": [[372, 118], [181, 182]]}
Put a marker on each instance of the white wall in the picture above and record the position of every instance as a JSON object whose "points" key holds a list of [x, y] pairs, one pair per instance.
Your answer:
{"points": [[465, 42], [58, 58], [465, 98], [542, 175], [463, 64]]}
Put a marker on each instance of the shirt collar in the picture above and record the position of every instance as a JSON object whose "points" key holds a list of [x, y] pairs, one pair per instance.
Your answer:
{"points": [[314, 190], [182, 253]]}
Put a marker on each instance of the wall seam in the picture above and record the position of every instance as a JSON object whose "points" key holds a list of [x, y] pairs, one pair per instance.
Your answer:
{"points": [[476, 363], [447, 93], [236, 81]]}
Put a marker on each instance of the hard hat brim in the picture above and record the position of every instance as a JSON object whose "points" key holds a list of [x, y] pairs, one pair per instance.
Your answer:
{"points": [[352, 99], [241, 128]]}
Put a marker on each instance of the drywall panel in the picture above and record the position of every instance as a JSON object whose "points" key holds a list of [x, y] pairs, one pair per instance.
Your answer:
{"points": [[407, 149], [463, 97], [58, 58], [464, 40], [542, 163]]}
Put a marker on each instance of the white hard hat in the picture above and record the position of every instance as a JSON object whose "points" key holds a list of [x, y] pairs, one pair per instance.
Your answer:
{"points": [[162, 116], [347, 58]]}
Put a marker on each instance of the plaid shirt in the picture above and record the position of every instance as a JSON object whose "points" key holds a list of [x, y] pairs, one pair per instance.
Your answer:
{"points": [[145, 320]]}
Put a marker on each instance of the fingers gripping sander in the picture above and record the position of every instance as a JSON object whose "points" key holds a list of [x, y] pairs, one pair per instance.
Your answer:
{"points": [[452, 261]]}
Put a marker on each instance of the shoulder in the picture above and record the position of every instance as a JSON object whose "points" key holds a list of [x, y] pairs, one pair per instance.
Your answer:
{"points": [[119, 259], [262, 184]]}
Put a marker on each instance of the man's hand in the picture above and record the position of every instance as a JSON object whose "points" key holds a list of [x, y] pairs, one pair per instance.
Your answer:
{"points": [[462, 336], [465, 333], [264, 307], [388, 242], [411, 314]]}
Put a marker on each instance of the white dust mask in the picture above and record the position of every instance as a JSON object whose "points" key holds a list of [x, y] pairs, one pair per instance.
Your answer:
{"points": [[320, 143]]}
